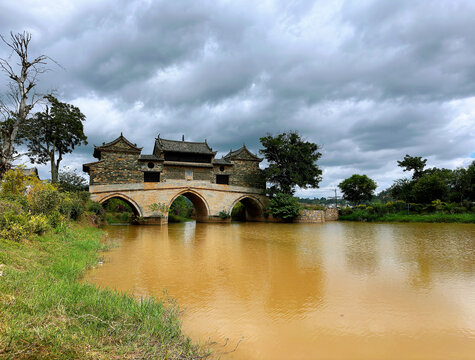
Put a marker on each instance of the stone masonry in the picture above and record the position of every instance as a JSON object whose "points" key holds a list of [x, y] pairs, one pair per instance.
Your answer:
{"points": [[177, 168]]}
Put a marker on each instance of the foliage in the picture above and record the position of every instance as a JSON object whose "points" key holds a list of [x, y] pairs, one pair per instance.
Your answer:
{"points": [[160, 208], [238, 212], [431, 184], [360, 215], [181, 207], [437, 211], [29, 206], [95, 208], [117, 205], [292, 162], [70, 180], [357, 188], [45, 201], [284, 206], [56, 130], [14, 183], [224, 215], [413, 163]]}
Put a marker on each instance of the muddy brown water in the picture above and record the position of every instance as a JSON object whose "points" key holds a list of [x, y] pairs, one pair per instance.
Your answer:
{"points": [[307, 291]]}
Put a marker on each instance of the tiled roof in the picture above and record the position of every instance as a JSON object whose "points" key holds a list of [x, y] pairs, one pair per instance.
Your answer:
{"points": [[104, 146], [243, 150], [221, 162], [183, 146], [149, 157], [121, 137]]}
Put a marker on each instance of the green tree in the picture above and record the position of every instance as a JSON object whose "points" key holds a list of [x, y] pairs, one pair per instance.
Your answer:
{"points": [[402, 190], [357, 188], [284, 206], [292, 162], [70, 180], [413, 163], [430, 187], [54, 132]]}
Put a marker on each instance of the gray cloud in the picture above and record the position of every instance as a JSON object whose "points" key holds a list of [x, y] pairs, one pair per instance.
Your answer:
{"points": [[370, 81]]}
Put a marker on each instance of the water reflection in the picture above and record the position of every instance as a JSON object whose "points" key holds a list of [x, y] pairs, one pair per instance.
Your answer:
{"points": [[361, 248], [332, 291]]}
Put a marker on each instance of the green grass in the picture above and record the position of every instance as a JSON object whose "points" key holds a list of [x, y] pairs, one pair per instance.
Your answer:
{"points": [[46, 313], [360, 215]]}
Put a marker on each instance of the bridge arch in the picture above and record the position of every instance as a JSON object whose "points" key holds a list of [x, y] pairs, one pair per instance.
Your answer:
{"points": [[254, 209], [135, 207], [199, 202]]}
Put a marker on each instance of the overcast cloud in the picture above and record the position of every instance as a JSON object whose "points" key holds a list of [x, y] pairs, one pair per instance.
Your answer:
{"points": [[367, 80]]}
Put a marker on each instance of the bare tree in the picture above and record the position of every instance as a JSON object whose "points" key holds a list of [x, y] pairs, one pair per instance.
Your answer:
{"points": [[16, 104]]}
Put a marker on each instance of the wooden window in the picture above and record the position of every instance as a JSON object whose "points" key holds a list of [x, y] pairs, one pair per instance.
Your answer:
{"points": [[222, 179], [151, 176]]}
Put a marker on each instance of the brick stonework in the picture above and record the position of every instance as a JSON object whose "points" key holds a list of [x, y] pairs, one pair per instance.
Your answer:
{"points": [[331, 214], [310, 216]]}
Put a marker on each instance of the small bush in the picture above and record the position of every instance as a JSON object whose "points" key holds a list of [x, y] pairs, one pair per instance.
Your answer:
{"points": [[38, 224], [14, 183], [284, 206], [345, 211], [95, 208], [223, 214], [45, 201]]}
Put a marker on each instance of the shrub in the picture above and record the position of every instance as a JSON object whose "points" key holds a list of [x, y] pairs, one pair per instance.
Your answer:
{"points": [[14, 183], [125, 217], [345, 211], [45, 201], [38, 224], [95, 208], [77, 208], [284, 206], [223, 214], [55, 219]]}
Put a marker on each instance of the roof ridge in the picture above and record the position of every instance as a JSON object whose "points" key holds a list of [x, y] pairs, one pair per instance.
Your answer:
{"points": [[190, 142]]}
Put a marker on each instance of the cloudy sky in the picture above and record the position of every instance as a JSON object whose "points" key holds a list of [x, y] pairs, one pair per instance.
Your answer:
{"points": [[370, 81]]}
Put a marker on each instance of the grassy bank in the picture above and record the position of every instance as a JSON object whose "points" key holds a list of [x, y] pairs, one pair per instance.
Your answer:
{"points": [[45, 313], [400, 217]]}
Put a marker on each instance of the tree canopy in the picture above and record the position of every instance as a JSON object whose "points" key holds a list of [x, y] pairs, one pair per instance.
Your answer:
{"points": [[435, 184], [413, 163], [357, 188], [55, 131], [292, 162]]}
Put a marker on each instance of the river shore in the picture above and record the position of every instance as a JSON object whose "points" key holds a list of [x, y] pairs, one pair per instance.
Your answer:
{"points": [[467, 218], [46, 313]]}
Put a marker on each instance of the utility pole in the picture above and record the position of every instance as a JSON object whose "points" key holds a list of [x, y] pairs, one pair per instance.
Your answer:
{"points": [[336, 200]]}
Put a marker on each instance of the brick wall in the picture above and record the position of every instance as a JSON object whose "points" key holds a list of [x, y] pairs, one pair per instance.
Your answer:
{"points": [[310, 216], [246, 173], [331, 214], [174, 172], [116, 168]]}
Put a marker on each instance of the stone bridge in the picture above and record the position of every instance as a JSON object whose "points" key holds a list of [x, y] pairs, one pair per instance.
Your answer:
{"points": [[210, 200]]}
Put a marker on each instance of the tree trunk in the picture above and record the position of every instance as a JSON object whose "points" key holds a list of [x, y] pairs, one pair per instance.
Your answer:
{"points": [[54, 168]]}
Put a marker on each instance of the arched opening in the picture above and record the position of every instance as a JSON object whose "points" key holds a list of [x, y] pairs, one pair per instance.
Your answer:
{"points": [[247, 209], [188, 205], [120, 210]]}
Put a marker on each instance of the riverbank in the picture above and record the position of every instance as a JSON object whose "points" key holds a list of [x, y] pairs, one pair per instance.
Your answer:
{"points": [[467, 218], [46, 313]]}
